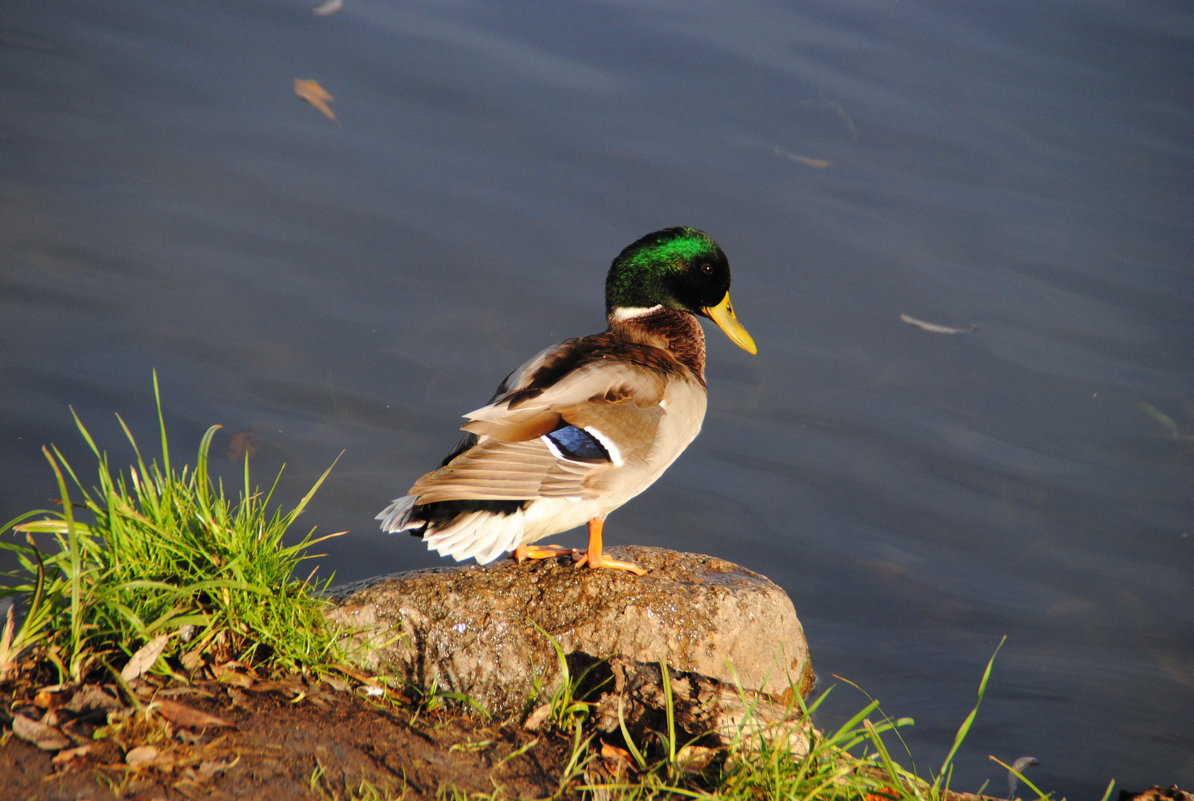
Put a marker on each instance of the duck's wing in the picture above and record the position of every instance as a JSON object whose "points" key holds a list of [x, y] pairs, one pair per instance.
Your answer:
{"points": [[560, 426]]}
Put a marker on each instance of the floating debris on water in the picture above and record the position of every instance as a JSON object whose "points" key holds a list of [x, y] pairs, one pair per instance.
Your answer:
{"points": [[935, 328], [316, 95]]}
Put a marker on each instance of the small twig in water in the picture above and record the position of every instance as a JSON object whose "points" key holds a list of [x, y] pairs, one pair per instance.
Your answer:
{"points": [[807, 161], [328, 8], [934, 328]]}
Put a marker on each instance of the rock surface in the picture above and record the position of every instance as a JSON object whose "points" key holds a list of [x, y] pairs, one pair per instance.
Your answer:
{"points": [[487, 632]]}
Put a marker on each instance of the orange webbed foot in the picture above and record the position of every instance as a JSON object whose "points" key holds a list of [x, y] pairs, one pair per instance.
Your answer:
{"points": [[604, 560], [525, 552], [594, 557]]}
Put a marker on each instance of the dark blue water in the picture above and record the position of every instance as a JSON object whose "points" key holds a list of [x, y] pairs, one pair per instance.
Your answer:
{"points": [[167, 203]]}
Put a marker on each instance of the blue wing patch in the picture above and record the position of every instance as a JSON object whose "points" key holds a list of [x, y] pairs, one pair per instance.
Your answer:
{"points": [[578, 444]]}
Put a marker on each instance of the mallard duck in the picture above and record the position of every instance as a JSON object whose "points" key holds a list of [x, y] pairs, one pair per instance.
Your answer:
{"points": [[587, 424]]}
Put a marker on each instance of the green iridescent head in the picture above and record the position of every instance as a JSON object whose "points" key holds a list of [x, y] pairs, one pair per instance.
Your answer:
{"points": [[678, 268]]}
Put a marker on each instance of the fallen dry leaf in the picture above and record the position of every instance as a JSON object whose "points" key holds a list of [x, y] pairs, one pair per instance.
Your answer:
{"points": [[235, 673], [63, 759], [336, 684], [695, 758], [141, 756], [47, 738], [536, 719], [284, 686], [92, 696], [187, 716], [208, 770], [235, 679], [316, 95], [100, 752], [192, 660], [145, 658]]}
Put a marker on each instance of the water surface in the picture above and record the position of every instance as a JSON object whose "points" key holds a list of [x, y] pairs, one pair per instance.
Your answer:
{"points": [[1021, 167]]}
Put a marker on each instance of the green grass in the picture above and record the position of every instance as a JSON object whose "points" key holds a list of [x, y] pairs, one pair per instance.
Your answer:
{"points": [[155, 557], [852, 762], [164, 567], [361, 790]]}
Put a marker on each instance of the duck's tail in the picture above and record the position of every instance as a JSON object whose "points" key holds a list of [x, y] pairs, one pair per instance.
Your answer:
{"points": [[481, 530]]}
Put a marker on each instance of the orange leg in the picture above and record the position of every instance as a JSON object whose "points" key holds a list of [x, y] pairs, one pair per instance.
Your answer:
{"points": [[594, 557], [525, 552]]}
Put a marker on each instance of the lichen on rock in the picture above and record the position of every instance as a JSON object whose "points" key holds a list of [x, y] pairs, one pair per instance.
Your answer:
{"points": [[491, 632]]}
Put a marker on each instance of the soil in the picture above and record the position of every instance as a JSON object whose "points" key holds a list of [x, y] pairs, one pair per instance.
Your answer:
{"points": [[284, 740], [275, 740]]}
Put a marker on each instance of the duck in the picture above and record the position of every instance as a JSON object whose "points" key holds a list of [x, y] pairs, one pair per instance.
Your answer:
{"points": [[586, 424]]}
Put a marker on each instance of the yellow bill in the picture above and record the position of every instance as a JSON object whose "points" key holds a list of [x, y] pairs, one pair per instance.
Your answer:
{"points": [[723, 315]]}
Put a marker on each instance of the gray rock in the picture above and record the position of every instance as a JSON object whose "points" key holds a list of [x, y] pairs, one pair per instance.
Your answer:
{"points": [[487, 632]]}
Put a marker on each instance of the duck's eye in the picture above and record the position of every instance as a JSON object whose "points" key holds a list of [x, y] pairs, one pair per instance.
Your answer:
{"points": [[707, 268]]}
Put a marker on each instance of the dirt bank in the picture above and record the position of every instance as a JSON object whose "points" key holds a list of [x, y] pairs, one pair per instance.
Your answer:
{"points": [[275, 741]]}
